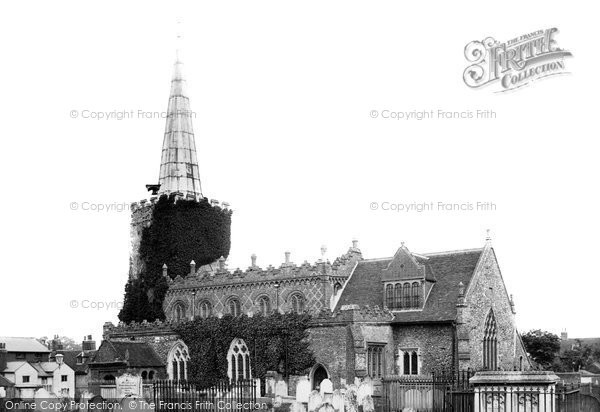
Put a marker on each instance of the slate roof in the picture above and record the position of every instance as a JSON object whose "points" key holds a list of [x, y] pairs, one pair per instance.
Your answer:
{"points": [[448, 269], [136, 354], [13, 366], [23, 344]]}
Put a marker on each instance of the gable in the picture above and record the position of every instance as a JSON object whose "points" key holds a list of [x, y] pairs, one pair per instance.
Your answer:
{"points": [[403, 266]]}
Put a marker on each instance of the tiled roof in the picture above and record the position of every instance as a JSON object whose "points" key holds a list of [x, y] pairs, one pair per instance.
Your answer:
{"points": [[43, 369], [11, 367], [448, 269], [5, 383], [136, 354], [23, 344]]}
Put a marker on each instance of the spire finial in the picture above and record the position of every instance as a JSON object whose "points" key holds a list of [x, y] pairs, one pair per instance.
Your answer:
{"points": [[488, 236]]}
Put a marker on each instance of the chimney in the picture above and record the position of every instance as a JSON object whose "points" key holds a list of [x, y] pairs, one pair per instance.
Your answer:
{"points": [[354, 244], [88, 343], [287, 258], [253, 258], [3, 356], [323, 253], [192, 267]]}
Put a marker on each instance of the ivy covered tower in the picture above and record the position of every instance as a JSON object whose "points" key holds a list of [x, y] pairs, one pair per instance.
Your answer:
{"points": [[178, 225]]}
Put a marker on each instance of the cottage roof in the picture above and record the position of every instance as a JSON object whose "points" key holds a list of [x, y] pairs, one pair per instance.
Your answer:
{"points": [[19, 344], [135, 354], [5, 383]]}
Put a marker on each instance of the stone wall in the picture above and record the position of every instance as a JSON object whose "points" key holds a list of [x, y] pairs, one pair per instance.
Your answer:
{"points": [[434, 345]]}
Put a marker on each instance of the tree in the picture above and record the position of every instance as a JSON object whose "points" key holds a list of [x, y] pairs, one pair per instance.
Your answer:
{"points": [[542, 346]]}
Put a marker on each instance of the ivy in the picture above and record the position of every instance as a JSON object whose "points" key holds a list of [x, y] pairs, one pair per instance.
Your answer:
{"points": [[180, 231], [276, 343]]}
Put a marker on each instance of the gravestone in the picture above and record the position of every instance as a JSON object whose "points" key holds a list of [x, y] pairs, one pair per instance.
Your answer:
{"points": [[314, 401], [303, 390], [365, 388], [367, 404], [298, 407], [326, 407], [350, 401], [337, 401], [326, 387], [281, 388], [129, 385]]}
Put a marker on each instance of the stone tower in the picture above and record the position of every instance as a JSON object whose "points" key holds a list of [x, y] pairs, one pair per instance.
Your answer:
{"points": [[179, 174]]}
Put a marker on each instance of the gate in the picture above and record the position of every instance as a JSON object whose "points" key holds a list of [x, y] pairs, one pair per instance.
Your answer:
{"points": [[189, 396]]}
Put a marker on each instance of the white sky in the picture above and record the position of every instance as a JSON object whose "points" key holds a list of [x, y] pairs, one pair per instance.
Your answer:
{"points": [[282, 92]]}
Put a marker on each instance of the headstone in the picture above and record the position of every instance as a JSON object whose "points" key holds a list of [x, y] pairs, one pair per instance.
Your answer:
{"points": [[326, 387], [129, 385], [314, 401], [303, 390], [278, 401], [365, 388], [326, 407], [350, 403], [367, 404], [298, 407], [281, 388], [337, 401]]}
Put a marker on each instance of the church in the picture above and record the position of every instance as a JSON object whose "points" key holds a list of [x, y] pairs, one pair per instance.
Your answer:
{"points": [[408, 314]]}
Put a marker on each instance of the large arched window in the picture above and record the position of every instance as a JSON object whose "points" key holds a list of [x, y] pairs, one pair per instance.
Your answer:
{"points": [[297, 303], [389, 296], [238, 359], [264, 306], [205, 309], [179, 312], [490, 343], [416, 295], [233, 307], [398, 296], [177, 361]]}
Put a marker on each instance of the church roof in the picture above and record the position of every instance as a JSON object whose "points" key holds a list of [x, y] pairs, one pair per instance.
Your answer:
{"points": [[365, 287], [135, 354]]}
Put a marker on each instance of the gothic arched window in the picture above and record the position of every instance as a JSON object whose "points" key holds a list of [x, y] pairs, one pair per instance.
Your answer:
{"points": [[238, 359], [234, 307], [410, 362], [179, 312], [389, 296], [490, 343], [264, 306], [416, 295], [297, 303], [398, 296], [205, 309], [336, 289], [177, 361]]}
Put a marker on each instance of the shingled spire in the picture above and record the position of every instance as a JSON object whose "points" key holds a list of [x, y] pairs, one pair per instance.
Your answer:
{"points": [[179, 164]]}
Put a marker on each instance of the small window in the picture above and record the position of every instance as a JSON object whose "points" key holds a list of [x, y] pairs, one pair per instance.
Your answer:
{"points": [[375, 358], [234, 307], [297, 303], [264, 306], [64, 378], [20, 355], [144, 375], [410, 362], [25, 379]]}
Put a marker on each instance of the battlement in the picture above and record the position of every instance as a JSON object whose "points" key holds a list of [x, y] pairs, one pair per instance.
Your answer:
{"points": [[354, 313], [217, 273], [133, 329], [145, 204]]}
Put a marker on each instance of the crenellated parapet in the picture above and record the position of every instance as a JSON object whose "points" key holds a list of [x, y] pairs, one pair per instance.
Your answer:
{"points": [[217, 274], [137, 329]]}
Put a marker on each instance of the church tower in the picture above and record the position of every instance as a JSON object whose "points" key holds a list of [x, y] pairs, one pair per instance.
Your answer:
{"points": [[193, 220]]}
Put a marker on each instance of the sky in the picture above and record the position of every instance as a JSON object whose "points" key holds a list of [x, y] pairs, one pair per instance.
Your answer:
{"points": [[283, 94]]}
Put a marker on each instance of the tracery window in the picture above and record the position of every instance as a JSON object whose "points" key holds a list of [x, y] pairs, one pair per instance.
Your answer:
{"points": [[406, 295], [398, 296], [416, 295], [490, 343], [238, 359], [177, 362]]}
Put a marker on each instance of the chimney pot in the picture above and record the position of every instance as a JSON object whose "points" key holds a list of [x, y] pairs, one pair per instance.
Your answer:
{"points": [[192, 267], [354, 243], [165, 270]]}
